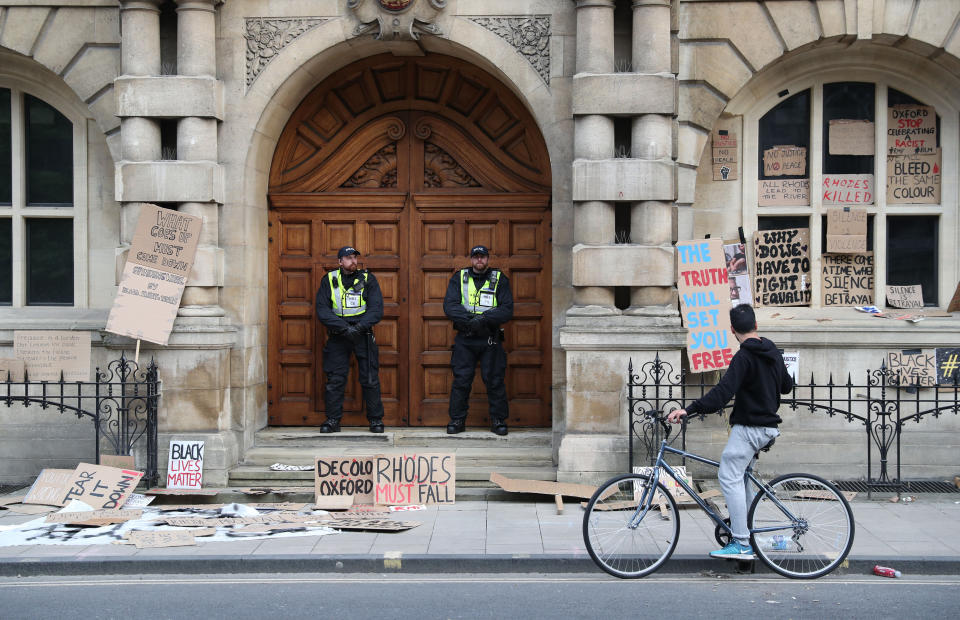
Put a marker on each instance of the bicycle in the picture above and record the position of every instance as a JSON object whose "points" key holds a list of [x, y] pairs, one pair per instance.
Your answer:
{"points": [[800, 525]]}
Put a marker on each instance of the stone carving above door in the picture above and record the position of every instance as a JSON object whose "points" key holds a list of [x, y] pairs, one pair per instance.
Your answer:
{"points": [[378, 171], [440, 169], [267, 36], [529, 35], [396, 20]]}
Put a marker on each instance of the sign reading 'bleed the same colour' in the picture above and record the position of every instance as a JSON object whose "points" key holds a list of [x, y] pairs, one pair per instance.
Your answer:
{"points": [[704, 289]]}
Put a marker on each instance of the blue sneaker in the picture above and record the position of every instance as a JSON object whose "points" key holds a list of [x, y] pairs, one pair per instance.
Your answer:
{"points": [[734, 551]]}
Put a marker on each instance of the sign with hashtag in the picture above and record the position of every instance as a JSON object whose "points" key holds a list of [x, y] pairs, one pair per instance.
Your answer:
{"points": [[948, 366]]}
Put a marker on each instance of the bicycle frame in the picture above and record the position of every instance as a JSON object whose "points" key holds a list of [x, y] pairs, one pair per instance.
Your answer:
{"points": [[646, 501]]}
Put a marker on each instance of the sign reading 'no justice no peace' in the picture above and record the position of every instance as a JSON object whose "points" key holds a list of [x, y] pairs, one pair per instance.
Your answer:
{"points": [[704, 289], [161, 257]]}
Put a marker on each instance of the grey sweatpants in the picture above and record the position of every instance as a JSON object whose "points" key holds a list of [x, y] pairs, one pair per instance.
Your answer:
{"points": [[737, 455]]}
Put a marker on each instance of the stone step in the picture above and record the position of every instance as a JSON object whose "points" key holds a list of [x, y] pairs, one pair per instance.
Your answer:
{"points": [[473, 476], [513, 456], [434, 438]]}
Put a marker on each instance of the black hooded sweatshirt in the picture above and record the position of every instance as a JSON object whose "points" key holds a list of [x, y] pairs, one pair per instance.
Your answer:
{"points": [[756, 376]]}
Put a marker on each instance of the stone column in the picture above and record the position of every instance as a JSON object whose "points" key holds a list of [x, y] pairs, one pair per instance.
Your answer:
{"points": [[651, 222], [594, 220], [139, 136], [197, 141]]}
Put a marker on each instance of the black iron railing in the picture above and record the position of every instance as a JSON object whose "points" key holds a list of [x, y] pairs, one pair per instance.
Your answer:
{"points": [[880, 404], [122, 401]]}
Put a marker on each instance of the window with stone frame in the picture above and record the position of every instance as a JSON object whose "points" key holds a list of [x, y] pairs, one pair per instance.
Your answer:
{"points": [[911, 241], [39, 155]]}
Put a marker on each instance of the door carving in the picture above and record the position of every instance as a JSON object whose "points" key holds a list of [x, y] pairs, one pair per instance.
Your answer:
{"points": [[412, 161]]}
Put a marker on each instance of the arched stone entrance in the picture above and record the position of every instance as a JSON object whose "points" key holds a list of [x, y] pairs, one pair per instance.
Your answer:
{"points": [[413, 161]]}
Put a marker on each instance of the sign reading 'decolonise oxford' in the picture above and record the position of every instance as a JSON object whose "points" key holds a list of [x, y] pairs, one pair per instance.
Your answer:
{"points": [[783, 267], [345, 475], [185, 465], [405, 479], [704, 290], [161, 257]]}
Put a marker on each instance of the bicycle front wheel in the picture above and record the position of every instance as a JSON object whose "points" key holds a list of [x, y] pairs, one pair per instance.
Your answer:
{"points": [[818, 537], [617, 541]]}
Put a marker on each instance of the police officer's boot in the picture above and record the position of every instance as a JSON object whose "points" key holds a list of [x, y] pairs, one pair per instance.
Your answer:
{"points": [[330, 426], [498, 427]]}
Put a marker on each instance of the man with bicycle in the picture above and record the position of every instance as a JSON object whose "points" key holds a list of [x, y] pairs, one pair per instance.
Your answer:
{"points": [[756, 376]]}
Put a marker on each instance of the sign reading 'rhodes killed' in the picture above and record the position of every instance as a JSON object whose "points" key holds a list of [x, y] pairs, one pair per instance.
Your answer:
{"points": [[160, 259]]}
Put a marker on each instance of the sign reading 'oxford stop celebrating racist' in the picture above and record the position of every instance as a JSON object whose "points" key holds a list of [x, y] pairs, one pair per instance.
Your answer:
{"points": [[705, 304]]}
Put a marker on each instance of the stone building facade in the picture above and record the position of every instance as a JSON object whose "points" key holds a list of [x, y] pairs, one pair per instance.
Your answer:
{"points": [[572, 135]]}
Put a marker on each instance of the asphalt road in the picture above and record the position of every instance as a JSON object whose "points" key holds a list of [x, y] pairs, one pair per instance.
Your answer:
{"points": [[515, 597]]}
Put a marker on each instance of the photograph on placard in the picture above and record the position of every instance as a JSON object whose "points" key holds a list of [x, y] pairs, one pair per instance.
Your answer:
{"points": [[740, 290], [736, 256]]}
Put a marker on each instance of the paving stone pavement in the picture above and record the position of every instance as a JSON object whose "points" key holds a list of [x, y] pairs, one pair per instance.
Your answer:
{"points": [[922, 536]]}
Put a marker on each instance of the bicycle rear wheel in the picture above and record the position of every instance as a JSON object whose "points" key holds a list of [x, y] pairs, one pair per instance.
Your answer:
{"points": [[817, 541], [617, 542]]}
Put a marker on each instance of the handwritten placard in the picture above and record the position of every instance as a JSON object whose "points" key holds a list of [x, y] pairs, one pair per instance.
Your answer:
{"points": [[185, 464], [785, 161], [783, 267], [905, 296], [847, 279], [100, 486], [914, 179], [11, 369], [49, 487], [48, 353], [912, 368], [783, 192], [724, 155], [160, 259], [848, 189], [851, 137], [405, 479], [847, 230], [911, 130], [344, 476], [791, 359], [704, 289]]}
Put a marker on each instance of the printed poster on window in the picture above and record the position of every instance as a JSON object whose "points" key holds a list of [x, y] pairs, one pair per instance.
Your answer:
{"points": [[704, 290], [160, 259], [783, 267]]}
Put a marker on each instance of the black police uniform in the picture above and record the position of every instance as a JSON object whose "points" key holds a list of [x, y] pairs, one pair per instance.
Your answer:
{"points": [[351, 334], [478, 338]]}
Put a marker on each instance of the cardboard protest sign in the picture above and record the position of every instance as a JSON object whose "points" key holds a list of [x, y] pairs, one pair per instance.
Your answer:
{"points": [[724, 155], [954, 304], [914, 179], [782, 267], [363, 523], [847, 279], [704, 291], [673, 487], [160, 259], [848, 189], [912, 368], [100, 486], [783, 192], [948, 366], [545, 487], [11, 369], [785, 161], [48, 353], [847, 230], [911, 130], [136, 500], [161, 538], [415, 479], [791, 359], [94, 517], [117, 460], [185, 464], [905, 296], [851, 137], [351, 477], [206, 491], [49, 487]]}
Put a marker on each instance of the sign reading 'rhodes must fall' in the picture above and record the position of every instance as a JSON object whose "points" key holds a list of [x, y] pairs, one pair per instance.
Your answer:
{"points": [[160, 260], [704, 289]]}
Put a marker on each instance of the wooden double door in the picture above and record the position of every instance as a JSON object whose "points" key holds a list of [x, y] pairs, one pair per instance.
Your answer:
{"points": [[411, 161]]}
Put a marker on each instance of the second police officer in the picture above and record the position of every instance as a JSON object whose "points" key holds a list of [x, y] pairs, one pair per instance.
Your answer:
{"points": [[478, 301], [349, 303]]}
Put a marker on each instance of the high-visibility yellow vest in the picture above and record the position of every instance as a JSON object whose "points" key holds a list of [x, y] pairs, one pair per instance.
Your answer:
{"points": [[478, 301], [347, 302]]}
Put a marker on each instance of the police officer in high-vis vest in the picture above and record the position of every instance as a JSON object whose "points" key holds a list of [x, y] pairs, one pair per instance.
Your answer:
{"points": [[349, 304], [478, 301]]}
